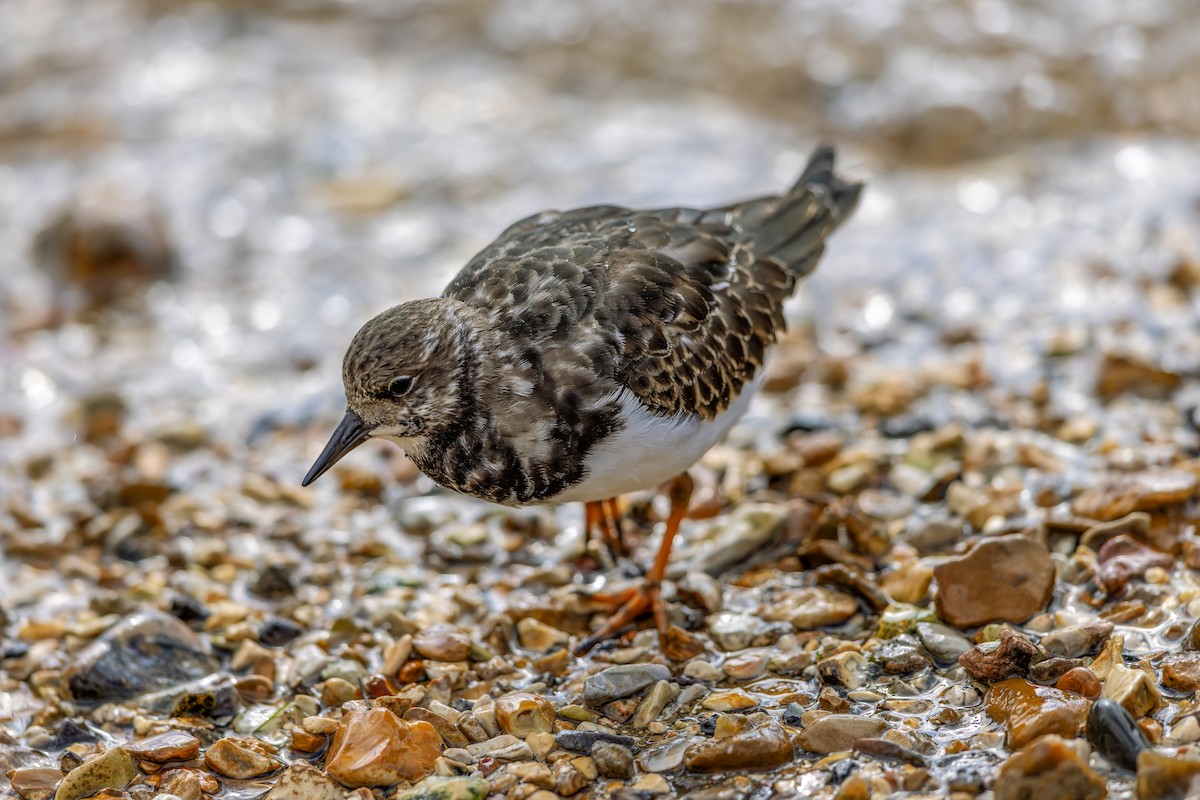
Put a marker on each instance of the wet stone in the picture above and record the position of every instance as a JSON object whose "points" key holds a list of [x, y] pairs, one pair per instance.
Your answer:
{"points": [[1051, 761], [808, 608], [442, 643], [1052, 669], [765, 747], [1029, 711], [1115, 734], [147, 652], [34, 783], [1005, 579], [169, 746], [1123, 559], [238, 759], [112, 769], [1077, 640], [1135, 689], [521, 714], [1164, 777], [612, 760], [584, 741], [373, 747], [302, 781], [1181, 672], [897, 657], [994, 661], [1081, 681], [943, 642], [621, 681], [446, 788], [835, 733], [845, 670]]}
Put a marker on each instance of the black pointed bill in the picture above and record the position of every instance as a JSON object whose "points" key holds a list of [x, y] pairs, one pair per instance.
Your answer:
{"points": [[349, 434]]}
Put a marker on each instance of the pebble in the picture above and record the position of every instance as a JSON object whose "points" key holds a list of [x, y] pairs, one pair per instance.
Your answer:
{"points": [[730, 700], [169, 746], [835, 733], [147, 652], [1123, 559], [540, 637], [898, 657], [504, 747], [442, 643], [1051, 761], [302, 781], [1135, 689], [1164, 777], [1181, 672], [846, 670], [765, 747], [943, 642], [1010, 657], [1115, 734], [373, 747], [112, 769], [808, 608], [584, 741], [700, 670], [741, 533], [1081, 681], [239, 758], [621, 681], [613, 760], [521, 714], [1075, 641], [747, 666], [34, 783], [1005, 579], [733, 631], [437, 787], [653, 703], [1029, 711]]}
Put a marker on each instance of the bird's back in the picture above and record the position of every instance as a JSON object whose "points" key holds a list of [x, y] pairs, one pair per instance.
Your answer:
{"points": [[676, 305]]}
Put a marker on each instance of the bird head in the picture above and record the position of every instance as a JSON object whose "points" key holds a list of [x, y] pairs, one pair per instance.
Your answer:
{"points": [[402, 374]]}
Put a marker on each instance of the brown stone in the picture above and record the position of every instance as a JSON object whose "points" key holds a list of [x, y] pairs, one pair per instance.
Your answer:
{"points": [[1010, 658], [185, 784], [1081, 681], [442, 643], [1051, 761], [1006, 579], [1163, 777], [34, 783], [765, 747], [835, 733], [1182, 672], [1030, 711], [302, 781], [238, 758], [169, 746], [112, 769], [373, 747]]}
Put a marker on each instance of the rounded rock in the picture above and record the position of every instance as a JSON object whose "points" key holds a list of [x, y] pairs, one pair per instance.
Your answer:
{"points": [[521, 714]]}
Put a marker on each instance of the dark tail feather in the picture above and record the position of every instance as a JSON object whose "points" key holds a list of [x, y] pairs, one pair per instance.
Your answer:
{"points": [[794, 232]]}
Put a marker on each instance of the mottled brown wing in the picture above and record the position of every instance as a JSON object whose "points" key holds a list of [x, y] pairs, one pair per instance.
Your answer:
{"points": [[676, 305]]}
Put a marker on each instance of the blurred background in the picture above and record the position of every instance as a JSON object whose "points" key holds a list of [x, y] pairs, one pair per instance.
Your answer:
{"points": [[200, 202]]}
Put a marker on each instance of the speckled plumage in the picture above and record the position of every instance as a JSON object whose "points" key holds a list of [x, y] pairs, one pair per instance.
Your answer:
{"points": [[529, 360]]}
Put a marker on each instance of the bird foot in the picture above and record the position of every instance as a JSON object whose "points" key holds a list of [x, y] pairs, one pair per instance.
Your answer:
{"points": [[631, 605]]}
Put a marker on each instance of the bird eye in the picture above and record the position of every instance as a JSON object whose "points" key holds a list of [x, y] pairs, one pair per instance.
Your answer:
{"points": [[400, 386]]}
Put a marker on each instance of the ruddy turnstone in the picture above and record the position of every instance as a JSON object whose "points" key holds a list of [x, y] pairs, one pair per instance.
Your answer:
{"points": [[589, 353]]}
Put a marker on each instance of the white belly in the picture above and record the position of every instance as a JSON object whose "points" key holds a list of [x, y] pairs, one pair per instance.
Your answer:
{"points": [[651, 449]]}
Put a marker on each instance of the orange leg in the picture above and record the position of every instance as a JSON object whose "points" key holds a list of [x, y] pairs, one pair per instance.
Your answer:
{"points": [[634, 603]]}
